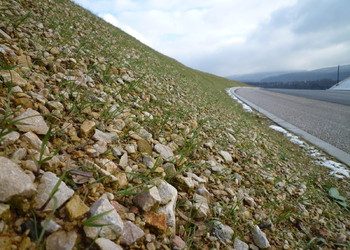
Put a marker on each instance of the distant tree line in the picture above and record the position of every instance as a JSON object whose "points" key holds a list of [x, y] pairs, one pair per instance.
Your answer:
{"points": [[317, 84]]}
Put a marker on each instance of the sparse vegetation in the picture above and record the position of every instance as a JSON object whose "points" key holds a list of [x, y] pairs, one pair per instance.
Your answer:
{"points": [[83, 70]]}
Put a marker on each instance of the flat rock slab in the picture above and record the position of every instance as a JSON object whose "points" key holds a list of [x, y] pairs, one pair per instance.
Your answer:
{"points": [[106, 244], [61, 240], [201, 206], [226, 155], [147, 199], [157, 221], [14, 181], [47, 184], [76, 207], [10, 138], [13, 77], [259, 237], [223, 232], [240, 245], [31, 121], [131, 233], [34, 141], [87, 128], [114, 224], [165, 152]]}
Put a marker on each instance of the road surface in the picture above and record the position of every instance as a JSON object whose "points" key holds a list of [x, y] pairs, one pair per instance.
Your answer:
{"points": [[327, 121], [335, 96]]}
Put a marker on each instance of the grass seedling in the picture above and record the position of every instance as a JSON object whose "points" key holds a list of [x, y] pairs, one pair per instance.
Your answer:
{"points": [[40, 237], [90, 222], [42, 158]]}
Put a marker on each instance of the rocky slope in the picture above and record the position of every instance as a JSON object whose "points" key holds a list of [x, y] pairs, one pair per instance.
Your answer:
{"points": [[107, 144]]}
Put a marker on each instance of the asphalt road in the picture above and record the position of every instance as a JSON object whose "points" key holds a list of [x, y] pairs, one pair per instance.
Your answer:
{"points": [[335, 96], [325, 120]]}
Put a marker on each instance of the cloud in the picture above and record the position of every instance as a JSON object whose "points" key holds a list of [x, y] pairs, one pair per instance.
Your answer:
{"points": [[232, 36], [114, 21], [306, 35]]}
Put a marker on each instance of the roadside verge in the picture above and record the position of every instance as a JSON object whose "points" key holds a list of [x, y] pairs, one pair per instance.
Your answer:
{"points": [[326, 147]]}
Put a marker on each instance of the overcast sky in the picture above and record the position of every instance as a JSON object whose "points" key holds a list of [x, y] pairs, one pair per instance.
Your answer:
{"points": [[227, 37]]}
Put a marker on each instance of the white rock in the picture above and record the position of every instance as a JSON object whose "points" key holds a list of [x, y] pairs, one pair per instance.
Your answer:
{"points": [[55, 105], [4, 208], [240, 245], [168, 195], [50, 226], [201, 206], [226, 155], [10, 138], [115, 224], [209, 144], [31, 120], [188, 181], [259, 237], [223, 232], [124, 161], [61, 240], [131, 233], [148, 161], [2, 226], [34, 141], [109, 165], [147, 199], [250, 201], [19, 154], [131, 148], [105, 137], [17, 89], [14, 181], [166, 191], [201, 190], [114, 108], [37, 97], [4, 35], [106, 244], [165, 152], [14, 77], [47, 184], [196, 177], [101, 147], [117, 151]]}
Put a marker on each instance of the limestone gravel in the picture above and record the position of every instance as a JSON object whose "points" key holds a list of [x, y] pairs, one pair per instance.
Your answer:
{"points": [[145, 139]]}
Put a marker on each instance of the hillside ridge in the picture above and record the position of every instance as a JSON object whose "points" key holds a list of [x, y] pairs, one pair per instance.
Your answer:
{"points": [[107, 144]]}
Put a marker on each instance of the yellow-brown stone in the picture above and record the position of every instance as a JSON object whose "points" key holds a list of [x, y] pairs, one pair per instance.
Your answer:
{"points": [[76, 207], [157, 221]]}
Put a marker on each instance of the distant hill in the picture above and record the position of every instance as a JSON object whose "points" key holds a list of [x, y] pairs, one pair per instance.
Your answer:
{"points": [[295, 76], [257, 77]]}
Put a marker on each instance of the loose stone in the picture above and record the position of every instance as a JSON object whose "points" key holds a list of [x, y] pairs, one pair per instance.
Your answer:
{"points": [[226, 155], [106, 244], [157, 221], [45, 187], [201, 206], [87, 128], [14, 181], [10, 138], [165, 152], [131, 233], [240, 245], [76, 207], [223, 232], [61, 240], [31, 121], [112, 221], [259, 237], [147, 199]]}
